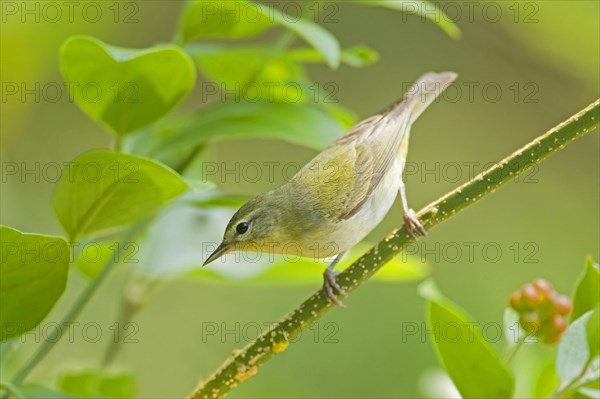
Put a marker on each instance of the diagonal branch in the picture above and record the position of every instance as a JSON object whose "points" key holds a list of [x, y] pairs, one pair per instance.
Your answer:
{"points": [[244, 364]]}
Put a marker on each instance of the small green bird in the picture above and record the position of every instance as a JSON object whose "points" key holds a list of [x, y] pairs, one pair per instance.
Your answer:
{"points": [[335, 200]]}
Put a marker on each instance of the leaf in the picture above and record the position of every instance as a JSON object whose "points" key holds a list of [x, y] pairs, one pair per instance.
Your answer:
{"points": [[265, 75], [357, 56], [573, 350], [36, 391], [123, 88], [239, 19], [315, 35], [150, 141], [91, 260], [435, 383], [587, 292], [94, 384], [588, 385], [223, 201], [589, 393], [547, 381], [206, 19], [513, 331], [425, 9], [265, 120], [342, 115], [117, 386], [103, 189], [179, 237], [473, 365], [92, 256], [593, 332], [33, 273], [294, 270]]}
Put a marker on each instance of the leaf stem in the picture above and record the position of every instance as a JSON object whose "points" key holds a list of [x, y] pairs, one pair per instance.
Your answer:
{"points": [[244, 363], [117, 143], [573, 386], [511, 353], [134, 296], [71, 315], [11, 389]]}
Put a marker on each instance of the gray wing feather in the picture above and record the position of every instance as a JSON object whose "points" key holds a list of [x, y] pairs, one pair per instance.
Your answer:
{"points": [[380, 137]]}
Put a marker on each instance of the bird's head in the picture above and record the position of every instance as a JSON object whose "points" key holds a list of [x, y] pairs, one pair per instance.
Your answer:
{"points": [[254, 227]]}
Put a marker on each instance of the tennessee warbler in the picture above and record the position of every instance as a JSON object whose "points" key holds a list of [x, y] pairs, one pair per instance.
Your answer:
{"points": [[342, 194]]}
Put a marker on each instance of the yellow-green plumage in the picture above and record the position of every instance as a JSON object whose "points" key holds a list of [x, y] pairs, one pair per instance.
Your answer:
{"points": [[335, 200]]}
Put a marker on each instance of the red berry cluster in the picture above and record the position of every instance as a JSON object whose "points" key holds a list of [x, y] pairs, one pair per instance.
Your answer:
{"points": [[542, 308]]}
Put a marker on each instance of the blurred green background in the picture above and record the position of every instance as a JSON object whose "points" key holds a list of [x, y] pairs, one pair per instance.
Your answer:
{"points": [[551, 63]]}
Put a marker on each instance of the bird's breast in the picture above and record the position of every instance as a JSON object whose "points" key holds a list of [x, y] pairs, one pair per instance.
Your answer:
{"points": [[331, 238]]}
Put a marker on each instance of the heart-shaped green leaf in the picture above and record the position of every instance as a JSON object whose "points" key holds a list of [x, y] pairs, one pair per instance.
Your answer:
{"points": [[33, 275], [206, 19], [125, 88], [103, 189], [264, 76], [280, 77]]}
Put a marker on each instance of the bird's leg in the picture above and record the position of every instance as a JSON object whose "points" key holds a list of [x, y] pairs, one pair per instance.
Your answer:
{"points": [[414, 227], [330, 287]]}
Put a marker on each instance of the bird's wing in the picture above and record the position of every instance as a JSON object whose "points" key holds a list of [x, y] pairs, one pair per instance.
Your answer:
{"points": [[342, 177], [339, 180], [380, 137]]}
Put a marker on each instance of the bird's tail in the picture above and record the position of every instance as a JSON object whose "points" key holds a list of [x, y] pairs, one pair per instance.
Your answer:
{"points": [[421, 94]]}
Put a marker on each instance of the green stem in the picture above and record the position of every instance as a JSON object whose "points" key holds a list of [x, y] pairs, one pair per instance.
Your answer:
{"points": [[514, 350], [117, 144], [70, 317], [134, 295], [11, 389], [244, 363], [182, 168], [283, 43], [126, 312], [568, 390]]}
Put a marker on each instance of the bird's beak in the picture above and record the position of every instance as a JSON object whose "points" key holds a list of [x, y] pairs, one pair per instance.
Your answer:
{"points": [[220, 251]]}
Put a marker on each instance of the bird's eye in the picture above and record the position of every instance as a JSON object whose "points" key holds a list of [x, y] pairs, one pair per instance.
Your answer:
{"points": [[241, 228]]}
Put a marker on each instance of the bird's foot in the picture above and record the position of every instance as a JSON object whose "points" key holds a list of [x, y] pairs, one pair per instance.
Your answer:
{"points": [[414, 227], [331, 288]]}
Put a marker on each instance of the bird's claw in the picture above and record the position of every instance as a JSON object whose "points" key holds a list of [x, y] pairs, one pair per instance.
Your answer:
{"points": [[331, 287], [414, 227]]}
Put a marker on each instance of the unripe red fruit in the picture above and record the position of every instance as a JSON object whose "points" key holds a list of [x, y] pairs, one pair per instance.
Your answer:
{"points": [[531, 297], [530, 320], [542, 310], [552, 339], [543, 287], [559, 323], [562, 304], [515, 301]]}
